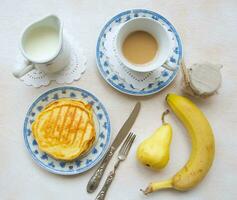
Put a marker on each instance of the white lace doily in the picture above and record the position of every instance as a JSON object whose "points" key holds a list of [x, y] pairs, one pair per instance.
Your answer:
{"points": [[137, 79], [72, 72]]}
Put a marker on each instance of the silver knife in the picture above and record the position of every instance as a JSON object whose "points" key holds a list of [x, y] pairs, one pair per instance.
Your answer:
{"points": [[95, 179]]}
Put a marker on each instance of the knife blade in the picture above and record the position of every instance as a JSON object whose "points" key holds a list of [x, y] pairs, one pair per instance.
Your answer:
{"points": [[123, 132], [126, 126]]}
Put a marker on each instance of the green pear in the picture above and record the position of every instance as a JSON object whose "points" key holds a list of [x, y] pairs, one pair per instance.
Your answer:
{"points": [[154, 151]]}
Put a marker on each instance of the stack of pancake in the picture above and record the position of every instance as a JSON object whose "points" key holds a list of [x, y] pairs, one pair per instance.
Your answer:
{"points": [[65, 129]]}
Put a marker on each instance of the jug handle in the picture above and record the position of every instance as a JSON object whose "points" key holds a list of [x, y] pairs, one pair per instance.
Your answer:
{"points": [[18, 73]]}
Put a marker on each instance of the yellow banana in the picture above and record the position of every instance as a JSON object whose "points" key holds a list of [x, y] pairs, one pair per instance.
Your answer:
{"points": [[203, 146]]}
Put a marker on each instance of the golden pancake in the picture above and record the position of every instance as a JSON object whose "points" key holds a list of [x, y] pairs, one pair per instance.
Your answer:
{"points": [[65, 129], [67, 100]]}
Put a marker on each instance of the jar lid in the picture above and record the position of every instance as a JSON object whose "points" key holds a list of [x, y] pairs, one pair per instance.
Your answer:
{"points": [[205, 78]]}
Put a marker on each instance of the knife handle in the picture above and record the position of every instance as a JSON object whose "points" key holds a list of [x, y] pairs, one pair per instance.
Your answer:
{"points": [[95, 179]]}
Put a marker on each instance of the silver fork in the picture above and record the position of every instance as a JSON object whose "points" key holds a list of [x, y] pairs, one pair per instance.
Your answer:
{"points": [[123, 152]]}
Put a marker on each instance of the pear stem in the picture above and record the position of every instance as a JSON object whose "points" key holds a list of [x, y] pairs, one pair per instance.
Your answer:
{"points": [[155, 186], [163, 116]]}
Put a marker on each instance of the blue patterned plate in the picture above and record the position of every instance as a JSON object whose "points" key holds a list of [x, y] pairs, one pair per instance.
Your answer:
{"points": [[103, 60], [83, 163]]}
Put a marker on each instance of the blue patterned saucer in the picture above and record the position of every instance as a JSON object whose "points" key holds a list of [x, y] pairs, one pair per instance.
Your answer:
{"points": [[104, 61], [93, 156]]}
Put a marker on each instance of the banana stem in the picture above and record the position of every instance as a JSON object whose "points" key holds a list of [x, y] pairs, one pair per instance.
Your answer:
{"points": [[155, 186], [163, 116]]}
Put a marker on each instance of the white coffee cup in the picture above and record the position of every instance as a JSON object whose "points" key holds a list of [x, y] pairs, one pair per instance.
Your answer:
{"points": [[157, 30], [47, 61]]}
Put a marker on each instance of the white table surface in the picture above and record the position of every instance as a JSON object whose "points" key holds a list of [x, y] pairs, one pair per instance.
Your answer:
{"points": [[208, 30]]}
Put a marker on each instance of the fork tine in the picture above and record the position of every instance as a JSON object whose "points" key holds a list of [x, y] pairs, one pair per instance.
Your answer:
{"points": [[125, 147], [129, 145], [125, 143]]}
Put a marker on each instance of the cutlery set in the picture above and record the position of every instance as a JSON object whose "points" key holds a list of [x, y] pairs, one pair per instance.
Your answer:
{"points": [[96, 178]]}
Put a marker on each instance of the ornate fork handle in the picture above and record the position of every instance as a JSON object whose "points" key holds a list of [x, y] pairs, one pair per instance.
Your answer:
{"points": [[110, 178], [95, 179]]}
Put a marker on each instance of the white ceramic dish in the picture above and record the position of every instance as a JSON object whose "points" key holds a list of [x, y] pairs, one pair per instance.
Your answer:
{"points": [[83, 163]]}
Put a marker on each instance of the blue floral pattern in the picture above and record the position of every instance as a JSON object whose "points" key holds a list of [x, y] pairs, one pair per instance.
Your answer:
{"points": [[84, 162], [117, 82]]}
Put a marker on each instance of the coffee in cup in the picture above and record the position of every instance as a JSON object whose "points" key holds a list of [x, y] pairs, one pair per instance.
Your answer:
{"points": [[140, 47], [143, 45]]}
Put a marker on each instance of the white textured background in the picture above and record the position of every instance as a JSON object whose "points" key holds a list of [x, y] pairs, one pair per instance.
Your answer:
{"points": [[208, 29]]}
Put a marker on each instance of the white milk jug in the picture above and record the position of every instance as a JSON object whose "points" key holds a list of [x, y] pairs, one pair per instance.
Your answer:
{"points": [[42, 45]]}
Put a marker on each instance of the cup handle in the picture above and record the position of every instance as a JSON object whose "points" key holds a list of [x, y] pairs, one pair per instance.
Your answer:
{"points": [[166, 66], [18, 73]]}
